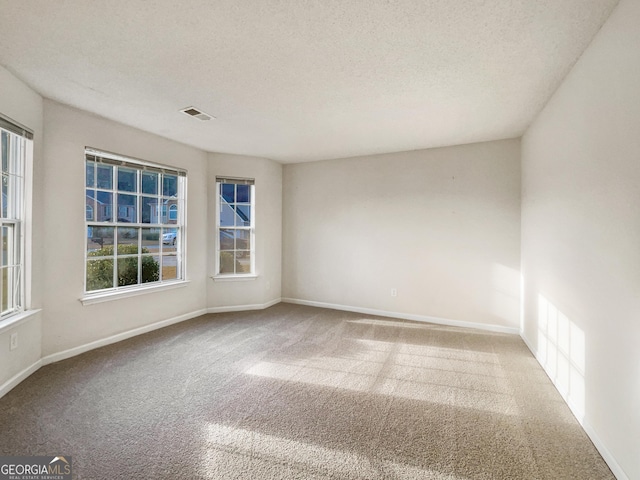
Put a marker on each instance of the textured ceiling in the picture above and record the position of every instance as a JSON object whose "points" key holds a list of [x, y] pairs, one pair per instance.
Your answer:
{"points": [[300, 80]]}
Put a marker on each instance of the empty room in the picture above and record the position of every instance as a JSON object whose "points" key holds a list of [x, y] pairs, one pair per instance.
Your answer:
{"points": [[320, 239]]}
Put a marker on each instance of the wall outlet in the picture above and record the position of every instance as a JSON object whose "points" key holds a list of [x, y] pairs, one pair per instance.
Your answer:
{"points": [[394, 292], [14, 341]]}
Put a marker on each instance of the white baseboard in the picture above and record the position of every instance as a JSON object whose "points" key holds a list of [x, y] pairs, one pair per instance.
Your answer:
{"points": [[72, 352], [616, 469], [244, 308], [19, 377], [406, 316]]}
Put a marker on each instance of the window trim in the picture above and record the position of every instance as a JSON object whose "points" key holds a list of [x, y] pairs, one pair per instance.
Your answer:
{"points": [[252, 274], [141, 166], [125, 292], [15, 127]]}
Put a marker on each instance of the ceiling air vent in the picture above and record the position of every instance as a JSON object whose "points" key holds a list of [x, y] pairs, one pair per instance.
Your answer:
{"points": [[194, 112]]}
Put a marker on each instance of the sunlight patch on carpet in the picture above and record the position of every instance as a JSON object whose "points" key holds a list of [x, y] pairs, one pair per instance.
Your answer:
{"points": [[459, 378], [259, 455]]}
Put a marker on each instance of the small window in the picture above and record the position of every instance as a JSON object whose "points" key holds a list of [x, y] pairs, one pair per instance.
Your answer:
{"points": [[235, 242], [140, 246]]}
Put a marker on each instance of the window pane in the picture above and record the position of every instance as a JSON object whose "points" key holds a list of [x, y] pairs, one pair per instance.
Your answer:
{"points": [[104, 207], [169, 185], [150, 183], [227, 239], [169, 239], [150, 268], [243, 262], [163, 213], [149, 210], [127, 208], [90, 174], [100, 241], [228, 192], [227, 215], [99, 274], [90, 201], [5, 196], [127, 271], [5, 151], [105, 177], [5, 290], [6, 246], [127, 180], [169, 267], [243, 240], [127, 241], [242, 193], [150, 240], [243, 215], [10, 292], [227, 262]]}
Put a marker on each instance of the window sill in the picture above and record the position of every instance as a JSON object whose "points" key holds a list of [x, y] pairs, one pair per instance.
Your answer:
{"points": [[107, 297], [234, 278], [16, 319]]}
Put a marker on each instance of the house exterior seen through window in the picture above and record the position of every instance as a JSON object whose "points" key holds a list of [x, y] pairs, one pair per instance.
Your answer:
{"points": [[235, 212], [134, 223], [16, 146]]}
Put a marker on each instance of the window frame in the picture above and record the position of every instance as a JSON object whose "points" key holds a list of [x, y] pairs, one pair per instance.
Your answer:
{"points": [[250, 228], [121, 225], [15, 197]]}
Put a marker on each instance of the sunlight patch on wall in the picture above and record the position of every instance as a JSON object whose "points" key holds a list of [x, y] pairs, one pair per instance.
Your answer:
{"points": [[231, 449], [461, 378], [561, 351]]}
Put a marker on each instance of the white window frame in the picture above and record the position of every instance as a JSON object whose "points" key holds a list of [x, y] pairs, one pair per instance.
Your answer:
{"points": [[251, 228], [15, 194], [165, 252]]}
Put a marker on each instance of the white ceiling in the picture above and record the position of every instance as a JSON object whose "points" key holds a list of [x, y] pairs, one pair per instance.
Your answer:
{"points": [[301, 80]]}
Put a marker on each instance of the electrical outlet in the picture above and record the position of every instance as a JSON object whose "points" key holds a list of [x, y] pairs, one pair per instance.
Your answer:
{"points": [[394, 292], [14, 341]]}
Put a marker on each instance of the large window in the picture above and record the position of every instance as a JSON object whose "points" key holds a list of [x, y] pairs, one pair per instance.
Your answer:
{"points": [[235, 226], [16, 147], [134, 223]]}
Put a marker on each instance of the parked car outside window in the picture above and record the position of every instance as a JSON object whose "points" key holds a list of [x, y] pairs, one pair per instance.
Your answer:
{"points": [[169, 238]]}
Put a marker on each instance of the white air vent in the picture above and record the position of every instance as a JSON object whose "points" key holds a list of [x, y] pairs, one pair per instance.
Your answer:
{"points": [[194, 112]]}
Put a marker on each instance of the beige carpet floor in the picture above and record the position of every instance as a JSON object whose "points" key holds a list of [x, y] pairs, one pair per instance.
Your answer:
{"points": [[305, 393]]}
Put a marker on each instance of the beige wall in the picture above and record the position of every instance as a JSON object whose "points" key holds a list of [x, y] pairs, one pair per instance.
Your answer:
{"points": [[440, 226], [67, 323], [266, 288], [23, 105], [581, 239]]}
